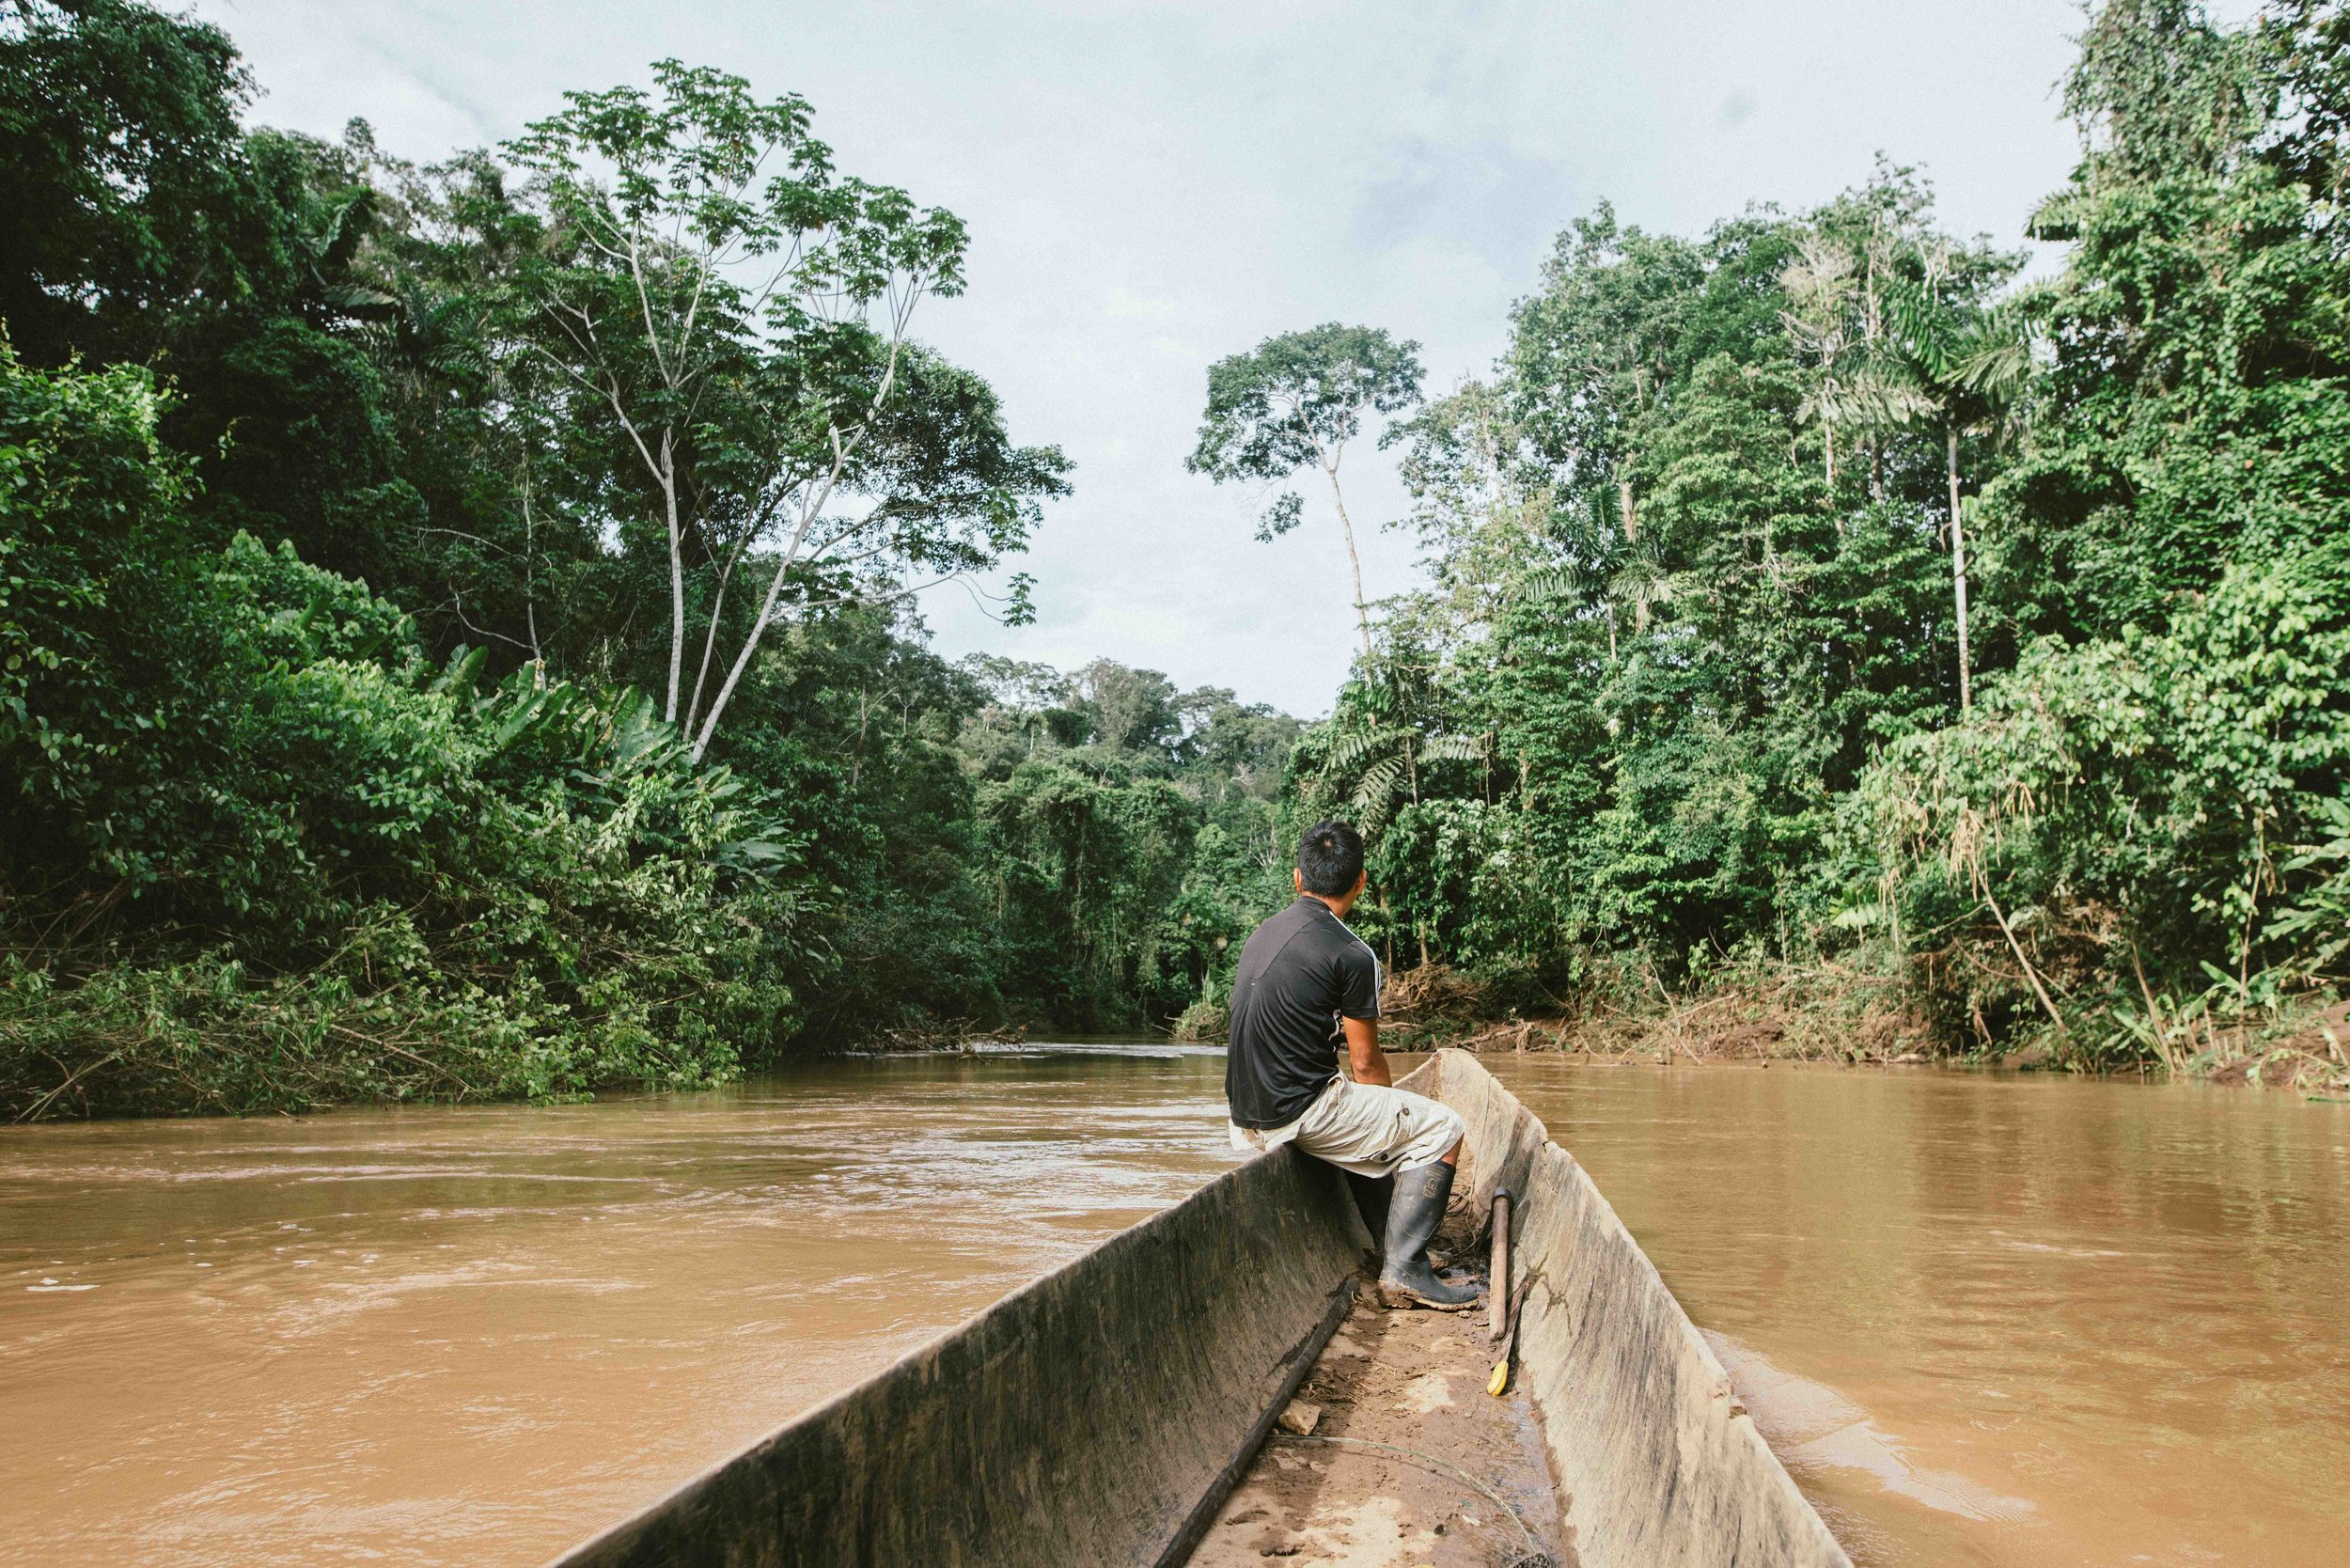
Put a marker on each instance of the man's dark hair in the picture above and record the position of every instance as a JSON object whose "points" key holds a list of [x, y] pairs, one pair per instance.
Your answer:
{"points": [[1330, 857]]}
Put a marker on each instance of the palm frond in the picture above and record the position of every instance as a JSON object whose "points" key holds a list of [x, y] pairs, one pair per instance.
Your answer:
{"points": [[1878, 400], [1995, 359], [1918, 326], [1573, 580], [1455, 749], [1376, 791], [2058, 218], [1350, 750]]}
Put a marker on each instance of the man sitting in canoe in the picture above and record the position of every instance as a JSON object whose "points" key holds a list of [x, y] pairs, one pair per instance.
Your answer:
{"points": [[1305, 979]]}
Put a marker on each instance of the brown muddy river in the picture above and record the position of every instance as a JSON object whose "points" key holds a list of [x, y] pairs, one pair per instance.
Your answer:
{"points": [[2003, 1319], [472, 1336], [1986, 1320]]}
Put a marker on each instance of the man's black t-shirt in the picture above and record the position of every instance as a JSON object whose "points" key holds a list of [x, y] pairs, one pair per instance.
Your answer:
{"points": [[1300, 971]]}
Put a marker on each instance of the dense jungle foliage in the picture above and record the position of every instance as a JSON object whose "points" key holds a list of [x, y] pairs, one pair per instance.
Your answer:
{"points": [[456, 632], [1829, 594], [454, 627]]}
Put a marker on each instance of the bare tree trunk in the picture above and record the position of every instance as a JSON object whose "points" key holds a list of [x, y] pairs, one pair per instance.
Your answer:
{"points": [[530, 588], [709, 643], [1628, 519], [1982, 883], [1872, 328], [710, 635], [1362, 610], [759, 623], [856, 763], [812, 507], [1958, 576], [677, 572]]}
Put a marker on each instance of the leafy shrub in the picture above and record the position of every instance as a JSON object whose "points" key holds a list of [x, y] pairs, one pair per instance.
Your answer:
{"points": [[2127, 809], [259, 851]]}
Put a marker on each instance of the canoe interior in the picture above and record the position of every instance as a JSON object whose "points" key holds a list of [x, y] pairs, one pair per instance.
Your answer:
{"points": [[1101, 1415]]}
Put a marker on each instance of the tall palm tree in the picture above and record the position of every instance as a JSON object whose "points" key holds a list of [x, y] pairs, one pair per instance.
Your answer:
{"points": [[1955, 369]]}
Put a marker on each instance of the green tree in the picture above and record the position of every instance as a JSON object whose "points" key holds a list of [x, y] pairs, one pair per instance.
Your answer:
{"points": [[119, 170], [2145, 803], [1957, 370], [1141, 830], [258, 851], [1297, 400], [277, 835], [1667, 626], [735, 313]]}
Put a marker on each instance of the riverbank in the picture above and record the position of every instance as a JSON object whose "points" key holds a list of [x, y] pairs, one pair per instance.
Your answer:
{"points": [[1831, 1014], [205, 1037]]}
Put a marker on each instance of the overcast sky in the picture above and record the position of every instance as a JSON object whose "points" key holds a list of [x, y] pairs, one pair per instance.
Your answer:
{"points": [[1150, 187]]}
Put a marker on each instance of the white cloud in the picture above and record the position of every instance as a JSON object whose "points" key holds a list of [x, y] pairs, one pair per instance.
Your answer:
{"points": [[1124, 304]]}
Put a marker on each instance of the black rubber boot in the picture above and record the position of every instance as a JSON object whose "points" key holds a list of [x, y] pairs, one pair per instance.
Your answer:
{"points": [[1373, 1196], [1413, 1214]]}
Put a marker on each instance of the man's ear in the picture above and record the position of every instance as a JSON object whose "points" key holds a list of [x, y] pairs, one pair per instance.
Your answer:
{"points": [[1362, 880], [1299, 878]]}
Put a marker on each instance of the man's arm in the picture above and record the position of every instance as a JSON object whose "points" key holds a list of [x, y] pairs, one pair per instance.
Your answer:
{"points": [[1362, 1050]]}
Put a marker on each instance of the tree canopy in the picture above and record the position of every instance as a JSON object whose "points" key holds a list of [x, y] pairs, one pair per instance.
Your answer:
{"points": [[348, 505], [460, 633], [1685, 698], [1295, 400]]}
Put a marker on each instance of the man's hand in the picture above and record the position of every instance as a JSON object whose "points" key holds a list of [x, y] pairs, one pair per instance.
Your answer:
{"points": [[1362, 1050]]}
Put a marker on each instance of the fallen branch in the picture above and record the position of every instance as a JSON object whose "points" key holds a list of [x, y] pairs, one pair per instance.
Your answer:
{"points": [[41, 1103], [464, 1087], [1983, 884]]}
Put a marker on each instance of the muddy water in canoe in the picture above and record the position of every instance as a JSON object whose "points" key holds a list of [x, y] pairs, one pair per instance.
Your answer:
{"points": [[2004, 1319]]}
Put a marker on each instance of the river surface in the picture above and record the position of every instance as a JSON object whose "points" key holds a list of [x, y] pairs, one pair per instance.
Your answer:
{"points": [[2000, 1319], [472, 1336], [1986, 1320]]}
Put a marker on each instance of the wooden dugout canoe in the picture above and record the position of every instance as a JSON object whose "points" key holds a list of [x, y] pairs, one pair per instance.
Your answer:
{"points": [[1101, 1415]]}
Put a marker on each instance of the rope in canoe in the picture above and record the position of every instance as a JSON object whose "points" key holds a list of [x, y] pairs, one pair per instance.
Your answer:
{"points": [[1540, 1559]]}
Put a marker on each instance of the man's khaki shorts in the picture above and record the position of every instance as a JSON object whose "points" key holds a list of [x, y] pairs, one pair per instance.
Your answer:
{"points": [[1367, 1129]]}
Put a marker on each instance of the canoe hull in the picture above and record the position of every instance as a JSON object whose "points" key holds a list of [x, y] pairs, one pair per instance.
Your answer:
{"points": [[1097, 1415], [1660, 1466], [1101, 1415]]}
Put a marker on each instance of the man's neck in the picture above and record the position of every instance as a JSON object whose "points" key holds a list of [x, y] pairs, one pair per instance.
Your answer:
{"points": [[1336, 907]]}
